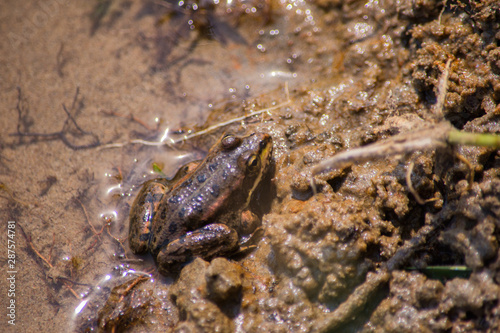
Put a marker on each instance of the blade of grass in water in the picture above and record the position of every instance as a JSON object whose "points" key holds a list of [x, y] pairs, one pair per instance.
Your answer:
{"points": [[157, 169], [444, 272]]}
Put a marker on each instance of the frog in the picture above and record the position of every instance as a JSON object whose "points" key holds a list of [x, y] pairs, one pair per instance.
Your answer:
{"points": [[204, 211]]}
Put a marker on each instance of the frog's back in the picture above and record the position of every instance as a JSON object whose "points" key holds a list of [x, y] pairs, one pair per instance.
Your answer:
{"points": [[211, 193]]}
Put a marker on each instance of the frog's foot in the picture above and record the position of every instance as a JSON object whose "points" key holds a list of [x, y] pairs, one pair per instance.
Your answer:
{"points": [[208, 242]]}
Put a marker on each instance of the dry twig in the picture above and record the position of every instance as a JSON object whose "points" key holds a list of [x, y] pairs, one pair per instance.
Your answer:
{"points": [[202, 132]]}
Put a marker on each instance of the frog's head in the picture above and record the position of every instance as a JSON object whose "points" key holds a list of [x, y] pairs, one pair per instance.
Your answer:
{"points": [[253, 153]]}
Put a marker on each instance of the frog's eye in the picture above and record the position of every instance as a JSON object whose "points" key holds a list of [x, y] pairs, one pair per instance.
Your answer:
{"points": [[253, 163], [230, 141]]}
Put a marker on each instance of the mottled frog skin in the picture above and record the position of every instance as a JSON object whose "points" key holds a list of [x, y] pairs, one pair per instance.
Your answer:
{"points": [[203, 211]]}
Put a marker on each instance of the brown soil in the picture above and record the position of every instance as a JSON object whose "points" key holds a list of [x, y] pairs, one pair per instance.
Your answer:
{"points": [[81, 80]]}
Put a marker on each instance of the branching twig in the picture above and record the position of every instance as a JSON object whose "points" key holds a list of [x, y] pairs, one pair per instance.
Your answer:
{"points": [[94, 231], [63, 133], [119, 241], [47, 262], [132, 285]]}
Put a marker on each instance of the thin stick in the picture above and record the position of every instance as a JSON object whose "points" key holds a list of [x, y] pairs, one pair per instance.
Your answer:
{"points": [[195, 134], [117, 240], [410, 185], [231, 121], [442, 89], [52, 246], [206, 130], [32, 247], [412, 189], [427, 138], [132, 285], [469, 166], [88, 219], [445, 2]]}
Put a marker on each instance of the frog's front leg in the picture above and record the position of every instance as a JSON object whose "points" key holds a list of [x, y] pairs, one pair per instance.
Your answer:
{"points": [[207, 242]]}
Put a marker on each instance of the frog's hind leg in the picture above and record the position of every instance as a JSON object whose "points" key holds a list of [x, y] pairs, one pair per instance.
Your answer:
{"points": [[142, 213], [208, 242]]}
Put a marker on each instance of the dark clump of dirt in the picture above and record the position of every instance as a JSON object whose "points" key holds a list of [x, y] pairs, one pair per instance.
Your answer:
{"points": [[359, 248]]}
